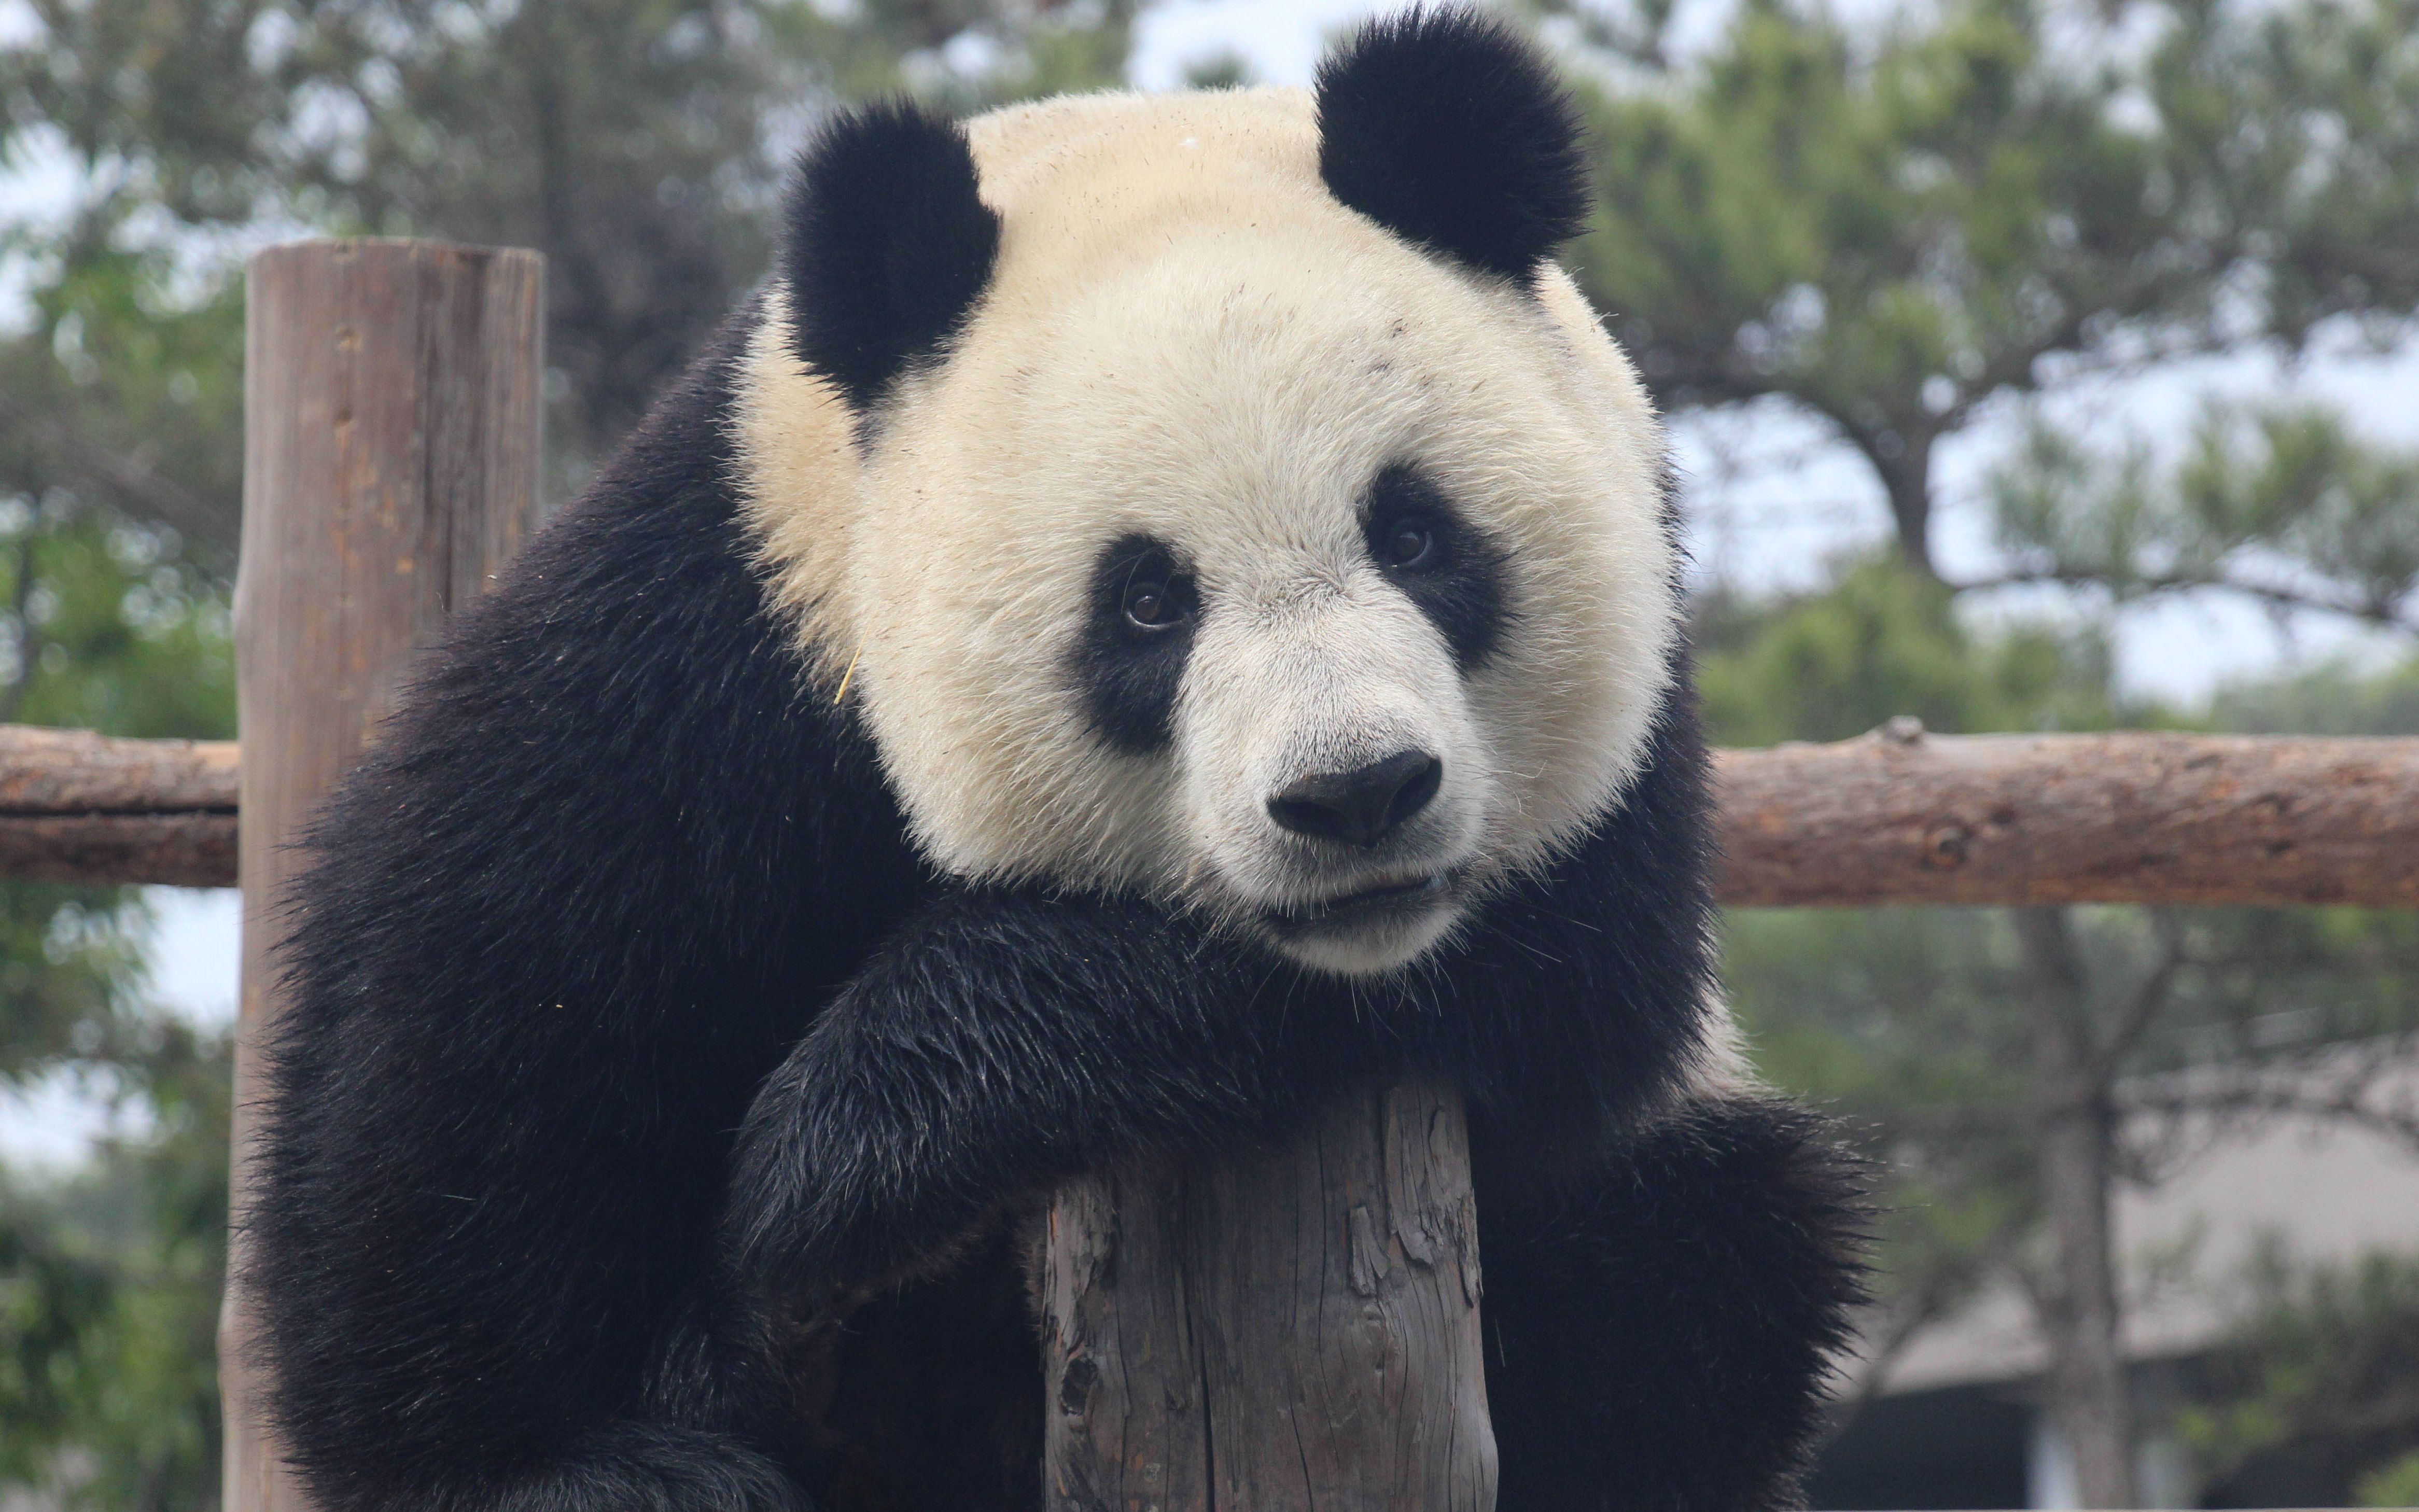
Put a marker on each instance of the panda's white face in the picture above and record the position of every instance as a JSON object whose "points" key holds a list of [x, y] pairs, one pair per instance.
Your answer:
{"points": [[1236, 553]]}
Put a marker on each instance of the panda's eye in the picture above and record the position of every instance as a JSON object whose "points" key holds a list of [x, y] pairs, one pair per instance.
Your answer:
{"points": [[1406, 542], [1156, 596]]}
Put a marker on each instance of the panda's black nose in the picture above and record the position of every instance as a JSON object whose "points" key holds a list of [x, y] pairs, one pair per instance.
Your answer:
{"points": [[1361, 807]]}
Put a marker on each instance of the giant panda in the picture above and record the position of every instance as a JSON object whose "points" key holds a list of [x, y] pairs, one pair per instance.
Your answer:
{"points": [[1159, 609]]}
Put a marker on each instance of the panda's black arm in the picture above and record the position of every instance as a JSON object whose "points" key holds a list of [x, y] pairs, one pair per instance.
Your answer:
{"points": [[589, 887], [1003, 1040], [1001, 1043]]}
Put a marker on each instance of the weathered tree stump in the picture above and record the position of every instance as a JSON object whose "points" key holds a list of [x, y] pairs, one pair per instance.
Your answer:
{"points": [[1285, 1331]]}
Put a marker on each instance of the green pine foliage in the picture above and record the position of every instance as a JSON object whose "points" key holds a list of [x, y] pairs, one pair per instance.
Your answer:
{"points": [[109, 1298], [1892, 228], [1883, 640], [2325, 1372]]}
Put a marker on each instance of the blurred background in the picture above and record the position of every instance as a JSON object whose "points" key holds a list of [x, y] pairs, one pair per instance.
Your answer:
{"points": [[2035, 365]]}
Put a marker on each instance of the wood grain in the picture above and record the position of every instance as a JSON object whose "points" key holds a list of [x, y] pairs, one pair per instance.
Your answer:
{"points": [[1903, 817], [80, 807], [46, 771], [1284, 1330], [390, 466]]}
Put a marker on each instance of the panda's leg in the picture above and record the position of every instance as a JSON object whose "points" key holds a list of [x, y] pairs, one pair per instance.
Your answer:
{"points": [[1657, 1339], [927, 1397]]}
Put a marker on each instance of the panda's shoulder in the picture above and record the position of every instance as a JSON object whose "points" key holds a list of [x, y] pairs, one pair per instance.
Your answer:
{"points": [[643, 609]]}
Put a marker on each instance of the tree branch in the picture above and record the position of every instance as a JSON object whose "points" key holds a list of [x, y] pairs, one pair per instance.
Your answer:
{"points": [[2391, 615]]}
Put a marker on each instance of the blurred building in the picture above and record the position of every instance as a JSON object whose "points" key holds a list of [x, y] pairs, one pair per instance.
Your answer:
{"points": [[1958, 1423]]}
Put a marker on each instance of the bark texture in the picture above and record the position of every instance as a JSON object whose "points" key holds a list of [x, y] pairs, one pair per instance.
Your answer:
{"points": [[1904, 817], [1287, 1330], [81, 808], [53, 772]]}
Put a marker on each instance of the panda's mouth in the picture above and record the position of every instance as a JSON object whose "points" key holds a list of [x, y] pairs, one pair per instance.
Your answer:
{"points": [[1380, 901]]}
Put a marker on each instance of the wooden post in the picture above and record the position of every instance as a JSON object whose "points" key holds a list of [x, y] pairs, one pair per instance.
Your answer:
{"points": [[390, 466], [1283, 1331]]}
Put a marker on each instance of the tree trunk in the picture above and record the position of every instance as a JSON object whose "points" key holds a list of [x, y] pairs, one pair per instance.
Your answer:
{"points": [[391, 454], [1901, 457], [2089, 1399], [1286, 1331]]}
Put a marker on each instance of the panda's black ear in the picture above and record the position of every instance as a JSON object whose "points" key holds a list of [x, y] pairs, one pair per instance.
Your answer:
{"points": [[888, 245], [1449, 129]]}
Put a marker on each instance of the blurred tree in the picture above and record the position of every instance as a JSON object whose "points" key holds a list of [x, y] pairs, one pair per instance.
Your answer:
{"points": [[639, 143], [2323, 1372], [109, 1294], [2330, 699], [2282, 505], [1882, 641], [1985, 200], [119, 395], [1891, 236], [2004, 1062], [109, 1279]]}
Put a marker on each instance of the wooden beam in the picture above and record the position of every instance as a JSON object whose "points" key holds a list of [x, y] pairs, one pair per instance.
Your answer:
{"points": [[1288, 1330], [390, 466], [1900, 816], [81, 808], [52, 772], [1894, 817], [195, 850]]}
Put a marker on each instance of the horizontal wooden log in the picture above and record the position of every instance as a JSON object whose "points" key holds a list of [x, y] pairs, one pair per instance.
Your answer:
{"points": [[181, 850], [80, 807], [45, 771], [1895, 817], [1900, 816]]}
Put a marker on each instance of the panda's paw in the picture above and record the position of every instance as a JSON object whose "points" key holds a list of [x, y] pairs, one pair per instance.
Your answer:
{"points": [[827, 1197], [801, 1235]]}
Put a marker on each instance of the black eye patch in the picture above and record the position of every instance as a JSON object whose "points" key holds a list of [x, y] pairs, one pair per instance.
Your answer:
{"points": [[1128, 659], [1452, 572]]}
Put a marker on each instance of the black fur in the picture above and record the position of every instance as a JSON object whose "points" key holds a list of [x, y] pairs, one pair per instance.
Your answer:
{"points": [[649, 1122], [888, 245], [1708, 1251], [1445, 126], [563, 919], [1459, 586], [1129, 672]]}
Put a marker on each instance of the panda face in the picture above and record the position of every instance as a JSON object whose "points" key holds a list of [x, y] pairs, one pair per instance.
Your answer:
{"points": [[1309, 700], [1234, 552]]}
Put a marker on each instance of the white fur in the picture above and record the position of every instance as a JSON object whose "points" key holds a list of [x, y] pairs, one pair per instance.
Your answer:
{"points": [[1186, 336]]}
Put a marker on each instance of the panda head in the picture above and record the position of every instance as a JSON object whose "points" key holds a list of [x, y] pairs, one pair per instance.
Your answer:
{"points": [[1222, 495]]}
